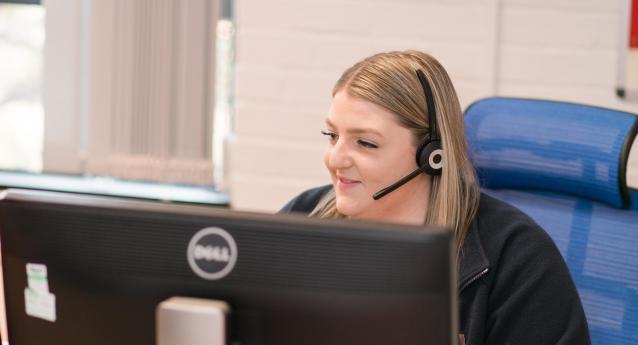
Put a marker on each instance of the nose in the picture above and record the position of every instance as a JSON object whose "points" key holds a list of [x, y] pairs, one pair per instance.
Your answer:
{"points": [[339, 156]]}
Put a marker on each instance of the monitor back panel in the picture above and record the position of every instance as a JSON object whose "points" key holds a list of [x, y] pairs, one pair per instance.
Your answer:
{"points": [[295, 281]]}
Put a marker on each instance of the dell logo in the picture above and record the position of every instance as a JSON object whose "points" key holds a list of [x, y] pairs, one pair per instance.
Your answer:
{"points": [[212, 253]]}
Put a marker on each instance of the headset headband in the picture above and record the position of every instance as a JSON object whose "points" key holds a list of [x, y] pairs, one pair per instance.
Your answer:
{"points": [[429, 100]]}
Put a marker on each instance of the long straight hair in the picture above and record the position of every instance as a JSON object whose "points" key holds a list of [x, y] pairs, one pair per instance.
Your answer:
{"points": [[389, 80]]}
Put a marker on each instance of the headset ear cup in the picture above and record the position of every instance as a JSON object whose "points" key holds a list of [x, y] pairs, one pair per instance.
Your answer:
{"points": [[430, 157]]}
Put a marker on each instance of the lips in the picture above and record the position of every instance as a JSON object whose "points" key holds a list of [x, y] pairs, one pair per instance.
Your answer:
{"points": [[345, 183], [345, 180]]}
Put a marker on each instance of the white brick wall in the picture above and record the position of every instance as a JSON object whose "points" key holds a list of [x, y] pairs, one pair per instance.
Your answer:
{"points": [[290, 53]]}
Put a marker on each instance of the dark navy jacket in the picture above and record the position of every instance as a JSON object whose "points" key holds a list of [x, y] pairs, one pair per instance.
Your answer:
{"points": [[514, 286]]}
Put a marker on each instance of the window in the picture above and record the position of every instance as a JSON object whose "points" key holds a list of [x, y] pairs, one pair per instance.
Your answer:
{"points": [[21, 113], [130, 89]]}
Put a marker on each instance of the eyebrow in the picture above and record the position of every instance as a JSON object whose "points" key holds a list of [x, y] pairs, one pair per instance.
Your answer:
{"points": [[357, 130]]}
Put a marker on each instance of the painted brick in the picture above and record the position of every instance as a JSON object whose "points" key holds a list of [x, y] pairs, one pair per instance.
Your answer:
{"points": [[344, 17], [253, 121], [335, 53], [307, 16], [595, 95], [274, 49], [597, 5], [431, 20], [462, 61], [263, 85], [265, 193], [309, 89], [563, 29], [277, 157], [557, 66], [263, 14], [467, 59]]}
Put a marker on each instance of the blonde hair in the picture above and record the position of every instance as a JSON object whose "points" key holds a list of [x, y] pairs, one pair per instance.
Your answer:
{"points": [[389, 80]]}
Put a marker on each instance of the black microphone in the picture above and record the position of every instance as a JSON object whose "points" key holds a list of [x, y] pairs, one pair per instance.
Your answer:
{"points": [[380, 194]]}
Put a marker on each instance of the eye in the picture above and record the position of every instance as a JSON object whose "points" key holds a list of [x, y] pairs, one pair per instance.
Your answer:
{"points": [[331, 135], [367, 144]]}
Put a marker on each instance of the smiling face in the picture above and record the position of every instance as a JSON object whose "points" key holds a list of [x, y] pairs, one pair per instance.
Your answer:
{"points": [[369, 150]]}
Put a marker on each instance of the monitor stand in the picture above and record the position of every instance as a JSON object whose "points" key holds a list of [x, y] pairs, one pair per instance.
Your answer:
{"points": [[193, 321]]}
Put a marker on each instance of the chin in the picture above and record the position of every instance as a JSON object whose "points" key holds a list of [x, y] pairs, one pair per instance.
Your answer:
{"points": [[348, 208]]}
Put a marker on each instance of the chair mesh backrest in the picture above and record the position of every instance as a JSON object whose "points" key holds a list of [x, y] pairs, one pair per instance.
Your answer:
{"points": [[563, 147], [583, 202]]}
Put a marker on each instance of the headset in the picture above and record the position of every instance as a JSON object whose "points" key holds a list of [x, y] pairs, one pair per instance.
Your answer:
{"points": [[429, 155]]}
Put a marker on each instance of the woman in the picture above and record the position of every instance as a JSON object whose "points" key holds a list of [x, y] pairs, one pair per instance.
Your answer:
{"points": [[397, 153]]}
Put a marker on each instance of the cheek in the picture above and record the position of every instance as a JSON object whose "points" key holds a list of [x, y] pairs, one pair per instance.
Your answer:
{"points": [[326, 157], [391, 167], [379, 170]]}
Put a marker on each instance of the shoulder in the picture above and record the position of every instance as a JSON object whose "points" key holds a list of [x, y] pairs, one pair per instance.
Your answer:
{"points": [[530, 283], [514, 244], [306, 201], [504, 229], [509, 242]]}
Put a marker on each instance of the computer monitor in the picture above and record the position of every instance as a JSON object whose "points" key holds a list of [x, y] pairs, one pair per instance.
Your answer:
{"points": [[84, 269]]}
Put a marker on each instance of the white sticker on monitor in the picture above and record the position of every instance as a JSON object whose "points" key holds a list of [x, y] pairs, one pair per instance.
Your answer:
{"points": [[38, 301], [37, 278], [40, 305]]}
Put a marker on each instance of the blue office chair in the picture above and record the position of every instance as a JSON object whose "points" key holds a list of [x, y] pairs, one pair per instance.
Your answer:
{"points": [[565, 166]]}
